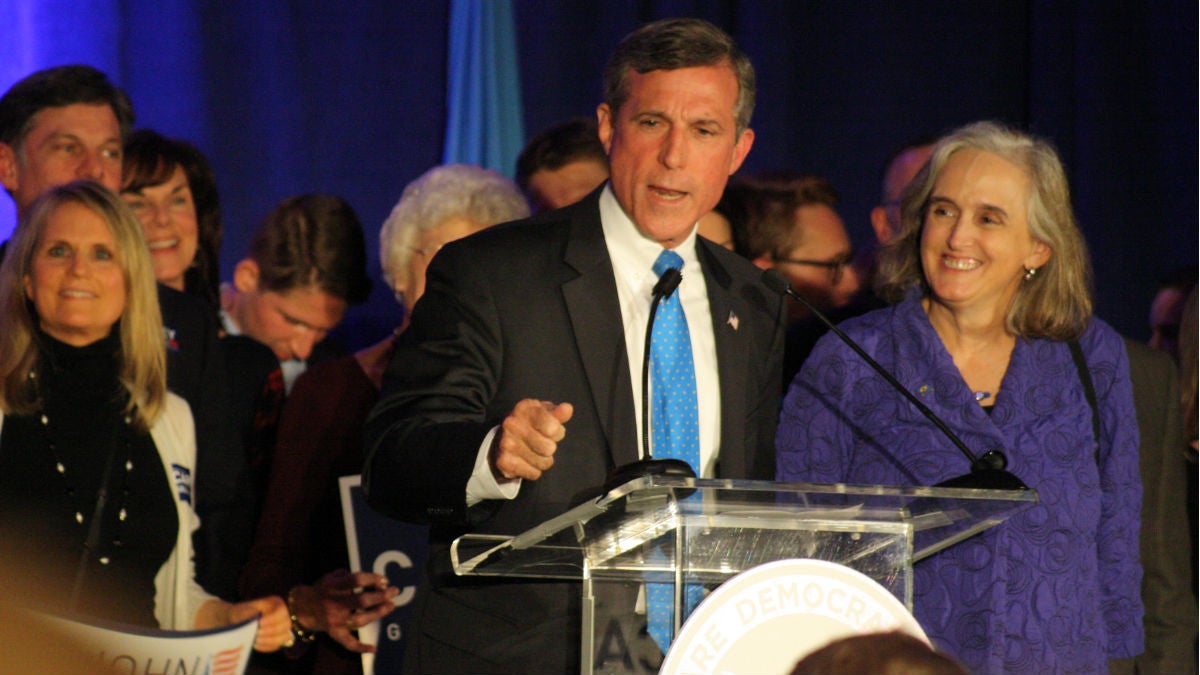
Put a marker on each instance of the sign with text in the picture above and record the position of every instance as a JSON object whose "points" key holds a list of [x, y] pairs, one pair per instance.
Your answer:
{"points": [[395, 549], [122, 649]]}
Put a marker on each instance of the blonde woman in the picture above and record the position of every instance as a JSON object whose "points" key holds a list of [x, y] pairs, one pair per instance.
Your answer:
{"points": [[96, 456]]}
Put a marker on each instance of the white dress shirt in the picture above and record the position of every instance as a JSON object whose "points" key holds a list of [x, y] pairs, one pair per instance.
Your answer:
{"points": [[633, 256], [291, 368]]}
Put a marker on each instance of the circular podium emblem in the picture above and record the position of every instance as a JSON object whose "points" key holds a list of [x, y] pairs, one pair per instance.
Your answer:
{"points": [[765, 619]]}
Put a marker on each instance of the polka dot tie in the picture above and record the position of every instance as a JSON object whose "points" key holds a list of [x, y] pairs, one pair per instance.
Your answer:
{"points": [[674, 428], [673, 411]]}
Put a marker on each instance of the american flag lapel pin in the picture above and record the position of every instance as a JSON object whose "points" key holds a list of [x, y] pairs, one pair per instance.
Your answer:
{"points": [[732, 320]]}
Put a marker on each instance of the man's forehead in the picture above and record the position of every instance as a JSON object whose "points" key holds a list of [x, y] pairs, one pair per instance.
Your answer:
{"points": [[665, 85], [818, 223], [91, 119], [310, 305]]}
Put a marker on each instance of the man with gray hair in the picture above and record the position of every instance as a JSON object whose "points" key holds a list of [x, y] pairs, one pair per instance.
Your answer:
{"points": [[512, 389]]}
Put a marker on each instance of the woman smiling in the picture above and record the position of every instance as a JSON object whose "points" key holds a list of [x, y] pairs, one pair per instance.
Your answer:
{"points": [[97, 458], [993, 330]]}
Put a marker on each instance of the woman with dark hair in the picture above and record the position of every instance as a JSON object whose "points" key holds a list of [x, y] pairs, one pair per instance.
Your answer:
{"points": [[97, 457], [993, 329], [169, 186]]}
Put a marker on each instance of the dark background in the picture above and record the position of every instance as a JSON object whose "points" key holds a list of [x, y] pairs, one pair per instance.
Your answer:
{"points": [[349, 98]]}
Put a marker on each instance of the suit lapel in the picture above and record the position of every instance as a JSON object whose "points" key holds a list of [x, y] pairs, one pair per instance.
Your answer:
{"points": [[733, 344], [595, 313]]}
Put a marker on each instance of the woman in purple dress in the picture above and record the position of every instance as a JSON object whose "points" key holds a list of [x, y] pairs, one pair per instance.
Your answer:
{"points": [[991, 280]]}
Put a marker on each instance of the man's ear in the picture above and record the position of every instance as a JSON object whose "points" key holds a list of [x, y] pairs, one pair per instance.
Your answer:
{"points": [[879, 223], [8, 167], [740, 149], [604, 123], [245, 276]]}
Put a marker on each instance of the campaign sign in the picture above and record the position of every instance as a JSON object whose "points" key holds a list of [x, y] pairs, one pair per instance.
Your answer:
{"points": [[122, 649], [390, 547]]}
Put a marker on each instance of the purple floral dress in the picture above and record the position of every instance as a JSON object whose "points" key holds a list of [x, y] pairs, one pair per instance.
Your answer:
{"points": [[1054, 589]]}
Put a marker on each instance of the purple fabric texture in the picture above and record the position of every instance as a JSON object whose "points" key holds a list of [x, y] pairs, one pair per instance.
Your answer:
{"points": [[1054, 589]]}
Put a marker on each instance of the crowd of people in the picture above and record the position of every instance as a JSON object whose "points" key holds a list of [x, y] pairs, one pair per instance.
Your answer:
{"points": [[172, 444]]}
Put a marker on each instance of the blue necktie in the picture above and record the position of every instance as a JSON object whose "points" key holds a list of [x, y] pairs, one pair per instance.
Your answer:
{"points": [[673, 412], [674, 426]]}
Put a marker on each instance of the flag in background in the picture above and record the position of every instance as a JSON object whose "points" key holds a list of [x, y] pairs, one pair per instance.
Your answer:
{"points": [[484, 120]]}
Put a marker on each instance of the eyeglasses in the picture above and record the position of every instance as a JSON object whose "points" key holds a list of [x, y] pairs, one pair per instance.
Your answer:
{"points": [[836, 266]]}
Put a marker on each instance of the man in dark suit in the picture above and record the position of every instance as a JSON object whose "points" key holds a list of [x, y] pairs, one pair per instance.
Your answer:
{"points": [[512, 389], [1170, 617]]}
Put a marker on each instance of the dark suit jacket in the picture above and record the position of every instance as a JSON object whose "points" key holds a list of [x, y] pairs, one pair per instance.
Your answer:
{"points": [[530, 310], [1170, 618], [224, 501], [255, 403]]}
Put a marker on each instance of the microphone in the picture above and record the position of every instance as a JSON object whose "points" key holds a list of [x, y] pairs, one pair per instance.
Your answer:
{"points": [[648, 465], [666, 285], [987, 470]]}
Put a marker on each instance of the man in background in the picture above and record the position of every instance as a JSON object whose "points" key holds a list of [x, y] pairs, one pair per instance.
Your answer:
{"points": [[898, 172], [792, 226], [562, 164], [307, 262]]}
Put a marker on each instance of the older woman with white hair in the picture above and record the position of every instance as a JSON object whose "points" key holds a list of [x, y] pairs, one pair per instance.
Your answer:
{"points": [[993, 330], [446, 203], [320, 432], [97, 457]]}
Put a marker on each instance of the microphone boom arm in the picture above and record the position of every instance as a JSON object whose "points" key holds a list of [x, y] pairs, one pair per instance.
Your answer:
{"points": [[990, 460]]}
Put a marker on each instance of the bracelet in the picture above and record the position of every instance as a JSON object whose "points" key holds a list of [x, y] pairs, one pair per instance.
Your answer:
{"points": [[300, 633]]}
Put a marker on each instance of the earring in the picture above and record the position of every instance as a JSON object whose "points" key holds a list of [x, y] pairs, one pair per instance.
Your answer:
{"points": [[1030, 272]]}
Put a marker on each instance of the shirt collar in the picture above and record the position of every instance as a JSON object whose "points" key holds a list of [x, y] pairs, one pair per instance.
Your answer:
{"points": [[633, 253]]}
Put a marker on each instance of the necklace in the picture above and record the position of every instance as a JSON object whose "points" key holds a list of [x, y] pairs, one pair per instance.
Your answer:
{"points": [[60, 467]]}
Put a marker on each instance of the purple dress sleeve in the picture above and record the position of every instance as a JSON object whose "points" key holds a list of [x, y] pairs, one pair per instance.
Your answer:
{"points": [[1121, 489]]}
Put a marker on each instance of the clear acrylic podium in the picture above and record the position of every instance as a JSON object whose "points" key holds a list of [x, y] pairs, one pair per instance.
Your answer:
{"points": [[702, 532]]}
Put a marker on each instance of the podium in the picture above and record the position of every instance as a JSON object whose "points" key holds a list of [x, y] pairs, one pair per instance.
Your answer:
{"points": [[699, 532]]}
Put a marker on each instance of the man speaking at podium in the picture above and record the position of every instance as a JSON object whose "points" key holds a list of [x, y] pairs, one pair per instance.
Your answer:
{"points": [[513, 389]]}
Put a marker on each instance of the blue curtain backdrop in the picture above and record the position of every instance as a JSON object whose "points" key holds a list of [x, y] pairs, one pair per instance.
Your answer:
{"points": [[484, 123], [353, 98]]}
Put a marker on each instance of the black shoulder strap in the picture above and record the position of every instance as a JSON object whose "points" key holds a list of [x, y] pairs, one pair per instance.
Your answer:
{"points": [[1085, 376]]}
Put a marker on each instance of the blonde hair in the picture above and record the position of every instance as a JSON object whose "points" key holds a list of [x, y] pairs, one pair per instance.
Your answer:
{"points": [[143, 367], [1055, 303]]}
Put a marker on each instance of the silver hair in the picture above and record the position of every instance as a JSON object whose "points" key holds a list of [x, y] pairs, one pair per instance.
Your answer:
{"points": [[1057, 302], [444, 192]]}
